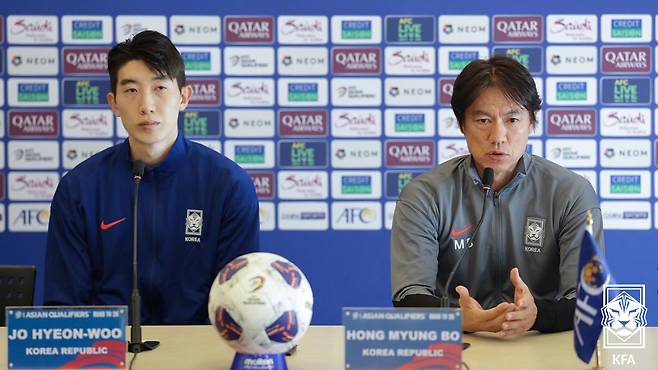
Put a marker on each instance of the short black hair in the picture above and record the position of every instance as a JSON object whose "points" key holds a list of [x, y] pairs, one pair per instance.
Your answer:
{"points": [[152, 48], [510, 76]]}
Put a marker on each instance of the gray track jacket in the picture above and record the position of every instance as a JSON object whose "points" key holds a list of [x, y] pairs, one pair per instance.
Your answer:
{"points": [[535, 222]]}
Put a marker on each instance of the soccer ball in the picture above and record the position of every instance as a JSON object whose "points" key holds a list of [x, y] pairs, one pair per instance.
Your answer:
{"points": [[261, 304]]}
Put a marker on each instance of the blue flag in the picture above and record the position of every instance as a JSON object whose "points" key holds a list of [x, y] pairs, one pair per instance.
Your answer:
{"points": [[593, 274]]}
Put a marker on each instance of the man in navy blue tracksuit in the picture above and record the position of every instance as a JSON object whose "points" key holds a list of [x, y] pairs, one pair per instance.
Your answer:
{"points": [[197, 209]]}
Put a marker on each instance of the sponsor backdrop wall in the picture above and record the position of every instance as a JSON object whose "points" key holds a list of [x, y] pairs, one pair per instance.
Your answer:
{"points": [[333, 109]]}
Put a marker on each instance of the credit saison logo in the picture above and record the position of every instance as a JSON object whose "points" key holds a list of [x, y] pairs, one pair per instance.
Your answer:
{"points": [[626, 59], [352, 184], [409, 122], [571, 121], [32, 92], [626, 90], [250, 154], [518, 28], [626, 28], [204, 92], [249, 29], [87, 30], [410, 29], [85, 60], [303, 122], [625, 184], [33, 123], [263, 183], [571, 91], [85, 92], [409, 153], [200, 123], [457, 60], [196, 60], [397, 180], [356, 29], [302, 92], [303, 154], [356, 60], [530, 57]]}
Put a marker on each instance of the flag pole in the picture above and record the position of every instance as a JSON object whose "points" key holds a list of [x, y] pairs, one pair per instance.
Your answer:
{"points": [[589, 222]]}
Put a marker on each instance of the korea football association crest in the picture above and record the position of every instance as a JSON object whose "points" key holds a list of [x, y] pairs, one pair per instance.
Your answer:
{"points": [[534, 233], [193, 225], [624, 316]]}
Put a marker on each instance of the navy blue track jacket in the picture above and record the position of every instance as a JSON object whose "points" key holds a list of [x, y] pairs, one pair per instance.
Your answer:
{"points": [[197, 211]]}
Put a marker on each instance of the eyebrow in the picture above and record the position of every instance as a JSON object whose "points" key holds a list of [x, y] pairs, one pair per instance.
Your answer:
{"points": [[509, 112], [127, 81]]}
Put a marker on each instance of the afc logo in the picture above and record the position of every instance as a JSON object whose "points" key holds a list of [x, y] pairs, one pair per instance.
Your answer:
{"points": [[193, 225]]}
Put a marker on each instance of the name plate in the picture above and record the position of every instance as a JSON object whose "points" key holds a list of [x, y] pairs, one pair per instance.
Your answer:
{"points": [[66, 337], [389, 338]]}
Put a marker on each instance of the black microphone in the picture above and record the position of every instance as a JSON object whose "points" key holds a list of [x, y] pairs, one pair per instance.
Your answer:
{"points": [[487, 182], [136, 345]]}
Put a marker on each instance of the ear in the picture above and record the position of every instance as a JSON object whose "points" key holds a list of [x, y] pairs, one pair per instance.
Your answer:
{"points": [[111, 100], [185, 96]]}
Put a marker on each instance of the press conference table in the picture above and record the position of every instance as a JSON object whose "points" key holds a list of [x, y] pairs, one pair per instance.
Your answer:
{"points": [[201, 348]]}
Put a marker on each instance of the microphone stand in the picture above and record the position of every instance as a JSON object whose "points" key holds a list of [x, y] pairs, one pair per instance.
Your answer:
{"points": [[136, 345]]}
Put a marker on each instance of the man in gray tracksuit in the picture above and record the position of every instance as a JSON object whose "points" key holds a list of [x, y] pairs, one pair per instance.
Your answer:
{"points": [[532, 227]]}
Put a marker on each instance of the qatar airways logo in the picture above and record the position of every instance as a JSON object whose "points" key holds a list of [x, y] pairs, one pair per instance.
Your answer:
{"points": [[88, 61], [33, 123], [356, 60], [249, 29], [303, 122], [32, 29], [446, 86], [621, 59], [518, 28], [571, 122], [263, 183], [409, 153], [204, 92]]}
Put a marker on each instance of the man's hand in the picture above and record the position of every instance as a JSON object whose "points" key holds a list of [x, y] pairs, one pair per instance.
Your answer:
{"points": [[525, 310], [475, 318]]}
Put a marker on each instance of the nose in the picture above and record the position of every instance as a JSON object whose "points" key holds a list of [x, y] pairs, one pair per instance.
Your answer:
{"points": [[147, 103], [498, 132]]}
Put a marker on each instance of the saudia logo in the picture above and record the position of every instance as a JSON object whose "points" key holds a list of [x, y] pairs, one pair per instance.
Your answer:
{"points": [[85, 60], [22, 25], [400, 57], [457, 60], [87, 121], [87, 30], [237, 89], [619, 118], [294, 26], [626, 28], [33, 184], [562, 25], [571, 91], [356, 184], [303, 92], [293, 181], [196, 60], [356, 30], [37, 123], [251, 154], [32, 92], [362, 120]]}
